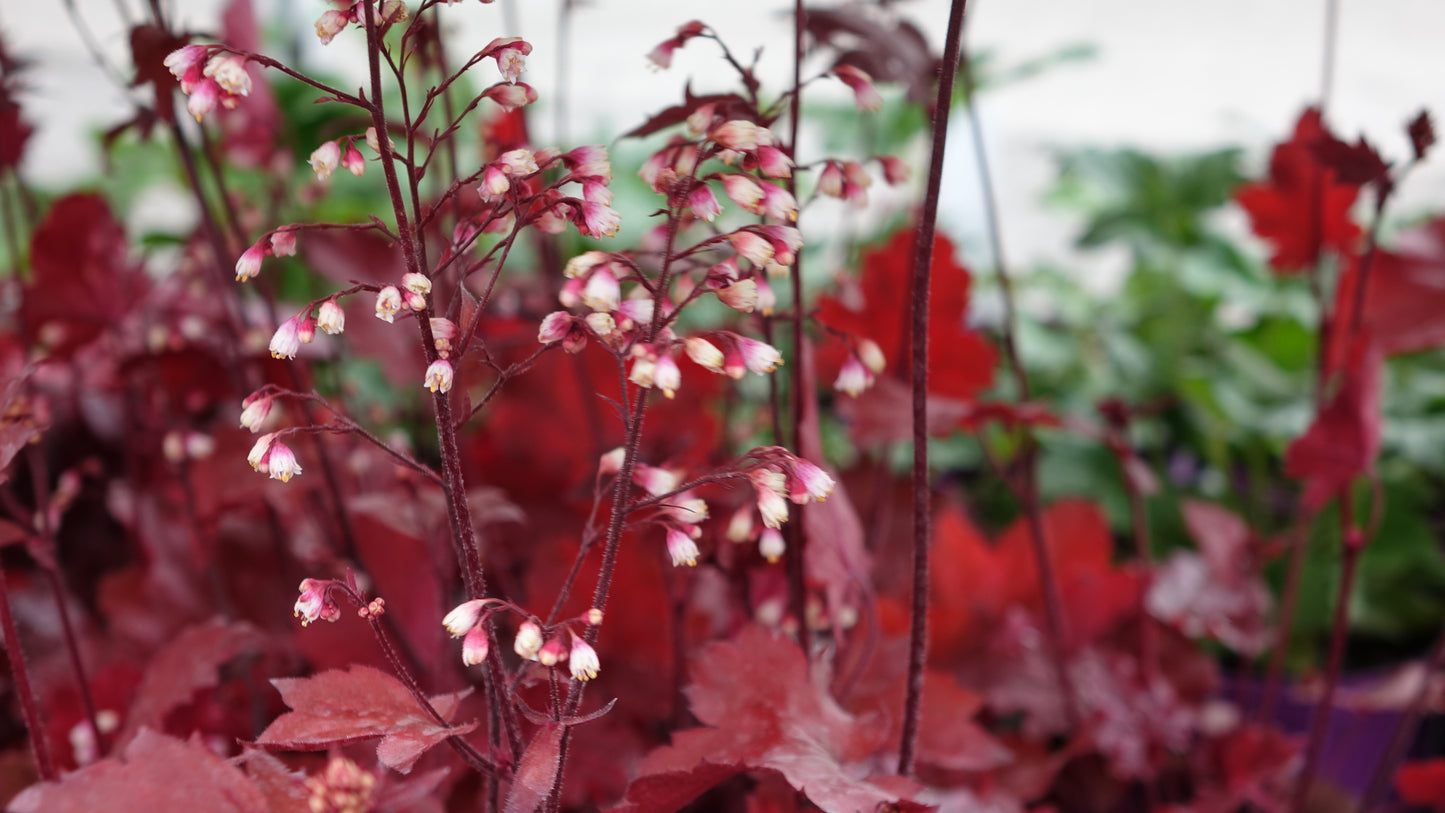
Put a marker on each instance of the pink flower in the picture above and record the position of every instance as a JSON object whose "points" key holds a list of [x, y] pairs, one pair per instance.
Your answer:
{"points": [[418, 284], [517, 162], [741, 296], [681, 548], [667, 377], [771, 544], [779, 203], [661, 56], [772, 506], [757, 249], [700, 121], [895, 172], [287, 339], [760, 357], [306, 330], [314, 603], [229, 72], [633, 312], [611, 462], [602, 291], [704, 353], [330, 317], [388, 303], [737, 134], [464, 617], [259, 450], [865, 95], [830, 180], [871, 355], [439, 376], [786, 241], [511, 55], [325, 159], [203, 98], [510, 96], [352, 161], [853, 377], [551, 652], [281, 462], [767, 300], [475, 647], [703, 203], [600, 220], [442, 333], [329, 24], [254, 411], [283, 242], [555, 327], [585, 664], [495, 183], [528, 641], [654, 480], [187, 64], [249, 265], [809, 482], [773, 162], [744, 191], [589, 162]]}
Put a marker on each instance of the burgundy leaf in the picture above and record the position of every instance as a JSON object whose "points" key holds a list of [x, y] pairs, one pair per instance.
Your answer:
{"points": [[1356, 164], [149, 47], [184, 666], [1422, 134], [284, 789], [762, 711], [335, 708], [729, 105], [17, 425], [156, 773], [1344, 439], [537, 770], [1404, 299], [889, 50]]}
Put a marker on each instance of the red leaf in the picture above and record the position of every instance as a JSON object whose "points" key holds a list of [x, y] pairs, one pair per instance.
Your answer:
{"points": [[1404, 298], [1218, 594], [336, 708], [1421, 783], [157, 773], [83, 280], [761, 712], [184, 666], [960, 362], [1422, 134], [1356, 164], [536, 771], [1344, 439], [284, 789], [1302, 209]]}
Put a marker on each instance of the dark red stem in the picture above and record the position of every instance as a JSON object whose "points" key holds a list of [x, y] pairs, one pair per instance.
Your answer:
{"points": [[922, 274], [20, 673]]}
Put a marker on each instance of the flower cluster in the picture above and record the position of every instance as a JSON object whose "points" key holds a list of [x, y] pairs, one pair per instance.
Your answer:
{"points": [[316, 603], [271, 456], [278, 243], [778, 476], [468, 621], [209, 78]]}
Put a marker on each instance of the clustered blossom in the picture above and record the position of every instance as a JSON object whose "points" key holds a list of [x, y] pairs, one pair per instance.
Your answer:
{"points": [[209, 78], [315, 603], [280, 243], [858, 370], [738, 355], [272, 457], [779, 476], [846, 180]]}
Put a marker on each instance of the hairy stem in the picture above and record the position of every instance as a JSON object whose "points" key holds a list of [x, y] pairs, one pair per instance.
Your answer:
{"points": [[20, 673], [922, 275]]}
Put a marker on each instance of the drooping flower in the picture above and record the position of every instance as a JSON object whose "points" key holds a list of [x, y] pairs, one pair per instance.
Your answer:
{"points": [[738, 134], [661, 56], [352, 160], [655, 480], [283, 242], [314, 603], [600, 220], [771, 544], [325, 158], [853, 378], [329, 24], [254, 411], [551, 652], [809, 482], [755, 248], [528, 641], [281, 462], [257, 456], [704, 352], [744, 191], [760, 357], [865, 95], [388, 303], [667, 377], [703, 203], [464, 617], [602, 291], [439, 376], [895, 172], [779, 203], [249, 264], [771, 506], [475, 646], [511, 55], [585, 664], [286, 341], [681, 548], [511, 95], [590, 161], [330, 317]]}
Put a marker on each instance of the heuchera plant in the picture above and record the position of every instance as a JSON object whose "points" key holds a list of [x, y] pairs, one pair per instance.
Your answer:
{"points": [[605, 525]]}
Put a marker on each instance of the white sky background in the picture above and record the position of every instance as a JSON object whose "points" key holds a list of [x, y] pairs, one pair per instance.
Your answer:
{"points": [[1168, 75]]}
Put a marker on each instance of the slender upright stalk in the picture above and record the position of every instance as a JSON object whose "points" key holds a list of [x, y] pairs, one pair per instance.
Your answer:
{"points": [[922, 274], [20, 673], [797, 534]]}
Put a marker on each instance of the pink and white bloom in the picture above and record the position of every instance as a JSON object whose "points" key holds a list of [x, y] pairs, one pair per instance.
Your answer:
{"points": [[187, 65], [704, 353], [495, 183], [388, 304], [314, 604], [755, 248], [552, 652], [681, 548], [853, 378], [778, 203], [667, 377], [830, 180], [655, 480], [865, 95], [257, 456], [528, 641], [306, 330], [281, 462], [229, 72], [809, 482], [602, 291], [703, 203], [464, 617], [771, 506], [352, 161], [741, 296], [635, 311], [661, 56], [555, 327], [442, 332], [590, 161], [330, 317], [760, 357], [475, 647], [511, 55], [600, 220], [511, 95], [771, 544], [286, 341], [895, 172], [325, 159], [283, 242], [416, 283], [254, 411], [439, 376], [738, 134], [773, 162], [786, 241], [872, 356], [249, 264], [329, 24], [744, 191], [517, 162], [585, 664]]}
